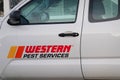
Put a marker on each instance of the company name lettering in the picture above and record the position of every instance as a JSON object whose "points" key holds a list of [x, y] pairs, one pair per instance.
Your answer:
{"points": [[48, 49]]}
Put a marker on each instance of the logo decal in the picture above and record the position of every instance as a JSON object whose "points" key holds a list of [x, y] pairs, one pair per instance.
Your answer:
{"points": [[40, 51]]}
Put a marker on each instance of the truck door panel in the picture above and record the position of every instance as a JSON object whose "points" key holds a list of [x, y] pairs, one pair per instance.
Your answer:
{"points": [[38, 50], [100, 40]]}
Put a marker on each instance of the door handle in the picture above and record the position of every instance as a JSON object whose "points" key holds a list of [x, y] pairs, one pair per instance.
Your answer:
{"points": [[74, 34]]}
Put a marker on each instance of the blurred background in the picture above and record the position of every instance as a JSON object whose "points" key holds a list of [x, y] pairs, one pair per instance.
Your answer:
{"points": [[6, 5]]}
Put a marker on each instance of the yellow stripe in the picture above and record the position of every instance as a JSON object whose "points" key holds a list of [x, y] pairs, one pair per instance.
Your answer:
{"points": [[12, 52]]}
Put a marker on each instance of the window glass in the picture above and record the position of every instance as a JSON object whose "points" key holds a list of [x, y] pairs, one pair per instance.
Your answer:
{"points": [[50, 11], [1, 8], [103, 9]]}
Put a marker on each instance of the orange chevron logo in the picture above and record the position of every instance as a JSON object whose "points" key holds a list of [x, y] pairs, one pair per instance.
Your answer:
{"points": [[16, 52]]}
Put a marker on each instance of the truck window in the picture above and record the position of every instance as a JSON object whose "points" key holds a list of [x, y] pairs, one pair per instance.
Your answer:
{"points": [[50, 11], [103, 10]]}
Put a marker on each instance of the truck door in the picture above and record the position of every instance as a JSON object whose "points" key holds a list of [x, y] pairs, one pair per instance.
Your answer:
{"points": [[47, 40], [101, 40]]}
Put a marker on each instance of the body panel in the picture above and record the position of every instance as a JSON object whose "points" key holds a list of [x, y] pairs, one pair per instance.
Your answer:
{"points": [[101, 68], [43, 69]]}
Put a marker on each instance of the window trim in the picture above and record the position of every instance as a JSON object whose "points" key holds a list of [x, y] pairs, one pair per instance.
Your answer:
{"points": [[54, 22], [92, 20]]}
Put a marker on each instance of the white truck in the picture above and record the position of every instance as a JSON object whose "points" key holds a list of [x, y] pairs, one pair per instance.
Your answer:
{"points": [[61, 39]]}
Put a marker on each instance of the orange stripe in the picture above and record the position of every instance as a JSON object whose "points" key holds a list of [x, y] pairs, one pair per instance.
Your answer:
{"points": [[12, 52], [20, 52]]}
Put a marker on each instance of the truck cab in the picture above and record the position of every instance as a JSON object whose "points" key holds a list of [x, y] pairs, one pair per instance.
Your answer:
{"points": [[61, 39]]}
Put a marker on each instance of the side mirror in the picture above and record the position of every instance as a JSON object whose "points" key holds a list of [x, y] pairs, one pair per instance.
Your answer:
{"points": [[14, 18]]}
